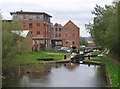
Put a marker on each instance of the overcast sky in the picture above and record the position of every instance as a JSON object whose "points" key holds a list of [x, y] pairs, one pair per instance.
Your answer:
{"points": [[79, 11]]}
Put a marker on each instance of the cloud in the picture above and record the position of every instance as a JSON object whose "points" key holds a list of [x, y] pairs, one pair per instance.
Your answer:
{"points": [[79, 11]]}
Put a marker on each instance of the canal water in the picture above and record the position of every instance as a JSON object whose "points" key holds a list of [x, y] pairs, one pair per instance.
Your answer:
{"points": [[56, 75]]}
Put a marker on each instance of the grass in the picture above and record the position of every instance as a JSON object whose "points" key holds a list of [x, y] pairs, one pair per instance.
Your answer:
{"points": [[32, 56], [113, 70], [104, 52], [95, 53]]}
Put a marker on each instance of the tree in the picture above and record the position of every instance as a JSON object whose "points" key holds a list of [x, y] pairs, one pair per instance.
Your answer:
{"points": [[104, 29], [12, 44], [83, 42]]}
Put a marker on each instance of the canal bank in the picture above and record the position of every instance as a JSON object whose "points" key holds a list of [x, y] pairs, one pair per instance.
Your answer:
{"points": [[57, 75], [67, 60], [64, 61], [112, 70]]}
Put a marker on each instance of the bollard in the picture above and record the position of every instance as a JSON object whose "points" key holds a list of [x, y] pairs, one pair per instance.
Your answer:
{"points": [[88, 56], [65, 56], [88, 65]]}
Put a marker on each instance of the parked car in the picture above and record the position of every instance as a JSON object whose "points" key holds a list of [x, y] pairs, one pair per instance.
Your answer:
{"points": [[61, 50], [66, 49], [56, 48]]}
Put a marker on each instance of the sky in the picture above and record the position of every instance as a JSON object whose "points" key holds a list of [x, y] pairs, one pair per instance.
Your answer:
{"points": [[79, 11]]}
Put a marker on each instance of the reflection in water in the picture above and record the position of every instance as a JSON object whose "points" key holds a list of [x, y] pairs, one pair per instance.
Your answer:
{"points": [[58, 75]]}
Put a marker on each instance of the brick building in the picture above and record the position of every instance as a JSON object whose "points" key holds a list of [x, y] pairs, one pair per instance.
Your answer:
{"points": [[45, 34], [66, 36], [56, 35], [70, 35], [38, 23]]}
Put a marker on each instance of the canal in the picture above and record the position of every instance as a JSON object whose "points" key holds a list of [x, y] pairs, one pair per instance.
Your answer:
{"points": [[56, 75]]}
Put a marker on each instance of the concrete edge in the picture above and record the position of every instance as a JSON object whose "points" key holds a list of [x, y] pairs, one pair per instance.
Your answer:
{"points": [[108, 77]]}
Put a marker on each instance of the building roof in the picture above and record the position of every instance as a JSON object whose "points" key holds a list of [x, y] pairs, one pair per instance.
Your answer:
{"points": [[57, 24], [72, 23], [24, 12], [21, 33]]}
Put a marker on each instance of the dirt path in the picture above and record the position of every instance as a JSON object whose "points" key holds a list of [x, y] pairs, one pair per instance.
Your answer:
{"points": [[112, 59], [54, 53]]}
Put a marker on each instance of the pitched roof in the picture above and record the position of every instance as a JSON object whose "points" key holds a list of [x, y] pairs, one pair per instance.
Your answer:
{"points": [[24, 12], [72, 23], [21, 33], [57, 24]]}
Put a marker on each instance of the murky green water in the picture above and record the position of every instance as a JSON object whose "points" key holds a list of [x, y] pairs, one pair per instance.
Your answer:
{"points": [[56, 75]]}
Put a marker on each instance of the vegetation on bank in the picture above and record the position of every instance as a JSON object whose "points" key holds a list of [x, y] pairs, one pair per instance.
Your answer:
{"points": [[12, 44], [113, 70], [104, 29], [83, 42], [95, 53], [32, 57], [105, 32]]}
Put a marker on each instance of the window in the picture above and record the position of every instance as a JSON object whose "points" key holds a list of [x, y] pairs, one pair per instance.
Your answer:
{"points": [[66, 35], [66, 42], [30, 16], [73, 29], [55, 25], [73, 43], [52, 29], [31, 32], [38, 32], [24, 25], [56, 35], [58, 43], [35, 42], [59, 34], [73, 35], [59, 29], [38, 24], [52, 34], [30, 25], [24, 16], [37, 16], [66, 29], [56, 29]]}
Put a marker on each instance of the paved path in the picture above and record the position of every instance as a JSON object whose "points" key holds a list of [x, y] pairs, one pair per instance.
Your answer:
{"points": [[112, 59]]}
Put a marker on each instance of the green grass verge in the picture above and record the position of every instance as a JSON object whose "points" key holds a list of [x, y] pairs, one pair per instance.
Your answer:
{"points": [[113, 70], [95, 53], [32, 56]]}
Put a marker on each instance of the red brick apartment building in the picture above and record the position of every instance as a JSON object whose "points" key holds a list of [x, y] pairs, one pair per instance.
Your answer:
{"points": [[56, 35], [38, 23], [44, 34], [66, 36], [70, 35]]}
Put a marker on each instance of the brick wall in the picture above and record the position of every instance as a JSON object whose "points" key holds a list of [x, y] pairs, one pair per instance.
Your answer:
{"points": [[70, 35]]}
